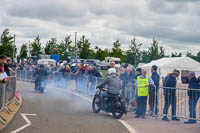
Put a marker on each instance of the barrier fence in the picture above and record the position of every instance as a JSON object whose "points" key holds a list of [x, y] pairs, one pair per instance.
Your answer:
{"points": [[164, 101], [7, 95]]}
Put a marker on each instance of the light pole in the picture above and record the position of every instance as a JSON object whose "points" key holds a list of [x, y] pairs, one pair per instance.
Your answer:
{"points": [[13, 49], [135, 60], [29, 48], [75, 45]]}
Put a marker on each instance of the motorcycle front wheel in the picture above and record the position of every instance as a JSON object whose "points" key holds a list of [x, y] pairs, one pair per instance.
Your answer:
{"points": [[96, 104], [117, 115]]}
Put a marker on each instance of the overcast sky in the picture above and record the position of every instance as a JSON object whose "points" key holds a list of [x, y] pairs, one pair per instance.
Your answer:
{"points": [[175, 23]]}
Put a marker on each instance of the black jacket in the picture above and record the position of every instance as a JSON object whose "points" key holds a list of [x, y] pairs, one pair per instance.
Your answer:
{"points": [[156, 79], [169, 81], [193, 84], [41, 74]]}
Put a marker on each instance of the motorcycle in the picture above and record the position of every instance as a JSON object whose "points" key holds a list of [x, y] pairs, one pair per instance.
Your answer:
{"points": [[112, 104], [40, 85]]}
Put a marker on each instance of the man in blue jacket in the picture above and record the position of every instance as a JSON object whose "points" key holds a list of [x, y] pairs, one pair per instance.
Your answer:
{"points": [[153, 91], [193, 97], [169, 87]]}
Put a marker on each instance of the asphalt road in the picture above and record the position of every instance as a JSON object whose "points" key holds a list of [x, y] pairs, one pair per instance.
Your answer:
{"points": [[60, 112]]}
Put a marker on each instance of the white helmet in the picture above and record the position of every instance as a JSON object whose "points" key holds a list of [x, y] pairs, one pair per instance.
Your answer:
{"points": [[111, 70]]}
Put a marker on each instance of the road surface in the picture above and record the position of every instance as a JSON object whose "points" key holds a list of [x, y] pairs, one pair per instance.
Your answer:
{"points": [[60, 112]]}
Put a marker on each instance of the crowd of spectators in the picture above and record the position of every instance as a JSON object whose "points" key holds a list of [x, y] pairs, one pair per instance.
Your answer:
{"points": [[88, 76]]}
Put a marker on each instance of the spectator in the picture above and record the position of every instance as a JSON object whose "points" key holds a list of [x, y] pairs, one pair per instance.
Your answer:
{"points": [[63, 70], [2, 61], [130, 86], [122, 77], [138, 73], [170, 95], [112, 65], [198, 80], [91, 80], [154, 91], [96, 73], [7, 67], [193, 97], [142, 84], [68, 69]]}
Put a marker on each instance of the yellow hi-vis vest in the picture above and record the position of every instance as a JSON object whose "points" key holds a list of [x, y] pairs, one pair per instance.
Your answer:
{"points": [[142, 90]]}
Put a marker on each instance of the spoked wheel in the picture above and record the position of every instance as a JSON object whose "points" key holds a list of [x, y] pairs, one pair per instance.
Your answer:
{"points": [[96, 104], [117, 115]]}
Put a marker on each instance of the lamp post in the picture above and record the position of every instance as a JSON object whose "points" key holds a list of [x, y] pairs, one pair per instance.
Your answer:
{"points": [[75, 44], [13, 50]]}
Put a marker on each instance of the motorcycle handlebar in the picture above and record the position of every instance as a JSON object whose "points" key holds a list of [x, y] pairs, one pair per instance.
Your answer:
{"points": [[101, 88]]}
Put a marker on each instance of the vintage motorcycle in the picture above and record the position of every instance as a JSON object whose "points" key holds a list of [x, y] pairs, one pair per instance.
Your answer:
{"points": [[112, 104]]}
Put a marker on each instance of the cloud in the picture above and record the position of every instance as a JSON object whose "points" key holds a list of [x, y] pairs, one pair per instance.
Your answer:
{"points": [[174, 23]]}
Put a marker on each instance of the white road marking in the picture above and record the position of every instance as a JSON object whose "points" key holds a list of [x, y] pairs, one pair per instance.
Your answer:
{"points": [[24, 116], [124, 123]]}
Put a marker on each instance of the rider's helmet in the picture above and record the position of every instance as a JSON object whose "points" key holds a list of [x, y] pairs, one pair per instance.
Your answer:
{"points": [[112, 70]]}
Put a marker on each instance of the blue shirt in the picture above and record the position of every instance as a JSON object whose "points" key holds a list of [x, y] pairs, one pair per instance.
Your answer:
{"points": [[150, 80]]}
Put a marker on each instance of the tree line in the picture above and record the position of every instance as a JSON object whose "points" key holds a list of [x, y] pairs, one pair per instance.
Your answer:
{"points": [[84, 50]]}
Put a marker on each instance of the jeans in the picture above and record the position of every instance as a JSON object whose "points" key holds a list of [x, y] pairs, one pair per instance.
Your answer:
{"points": [[192, 106], [153, 100], [170, 100], [104, 94], [142, 103], [130, 91], [123, 89]]}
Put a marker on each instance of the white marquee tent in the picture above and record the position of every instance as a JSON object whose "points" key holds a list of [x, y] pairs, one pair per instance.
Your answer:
{"points": [[166, 65]]}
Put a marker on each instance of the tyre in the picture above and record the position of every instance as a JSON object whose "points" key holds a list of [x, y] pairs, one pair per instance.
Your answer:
{"points": [[117, 115], [96, 104]]}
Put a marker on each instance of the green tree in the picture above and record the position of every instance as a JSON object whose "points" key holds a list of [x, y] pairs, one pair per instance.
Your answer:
{"points": [[116, 51], [6, 44], [132, 56], [101, 53], [51, 47], [176, 54], [197, 57], [155, 52], [144, 57], [64, 48], [35, 47], [84, 47], [23, 51]]}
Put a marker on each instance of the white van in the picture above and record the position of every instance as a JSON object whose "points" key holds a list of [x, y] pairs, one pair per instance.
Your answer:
{"points": [[46, 62]]}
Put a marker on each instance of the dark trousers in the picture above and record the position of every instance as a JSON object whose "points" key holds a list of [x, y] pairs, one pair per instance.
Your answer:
{"points": [[192, 106], [39, 84], [141, 105], [170, 100], [153, 100], [91, 85], [123, 89]]}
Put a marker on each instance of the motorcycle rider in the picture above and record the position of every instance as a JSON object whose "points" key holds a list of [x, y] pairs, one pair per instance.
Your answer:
{"points": [[41, 76], [113, 84]]}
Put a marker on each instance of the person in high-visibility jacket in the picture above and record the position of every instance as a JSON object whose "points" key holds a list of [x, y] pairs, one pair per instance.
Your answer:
{"points": [[142, 88]]}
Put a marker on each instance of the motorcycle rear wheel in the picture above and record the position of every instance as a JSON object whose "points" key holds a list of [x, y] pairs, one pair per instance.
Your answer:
{"points": [[95, 106]]}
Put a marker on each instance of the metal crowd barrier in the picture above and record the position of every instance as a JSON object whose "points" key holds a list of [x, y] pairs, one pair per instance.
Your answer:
{"points": [[86, 85], [7, 95], [177, 103], [2, 95], [7, 92]]}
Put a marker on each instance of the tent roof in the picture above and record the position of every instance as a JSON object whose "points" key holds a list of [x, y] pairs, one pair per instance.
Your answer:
{"points": [[182, 63]]}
